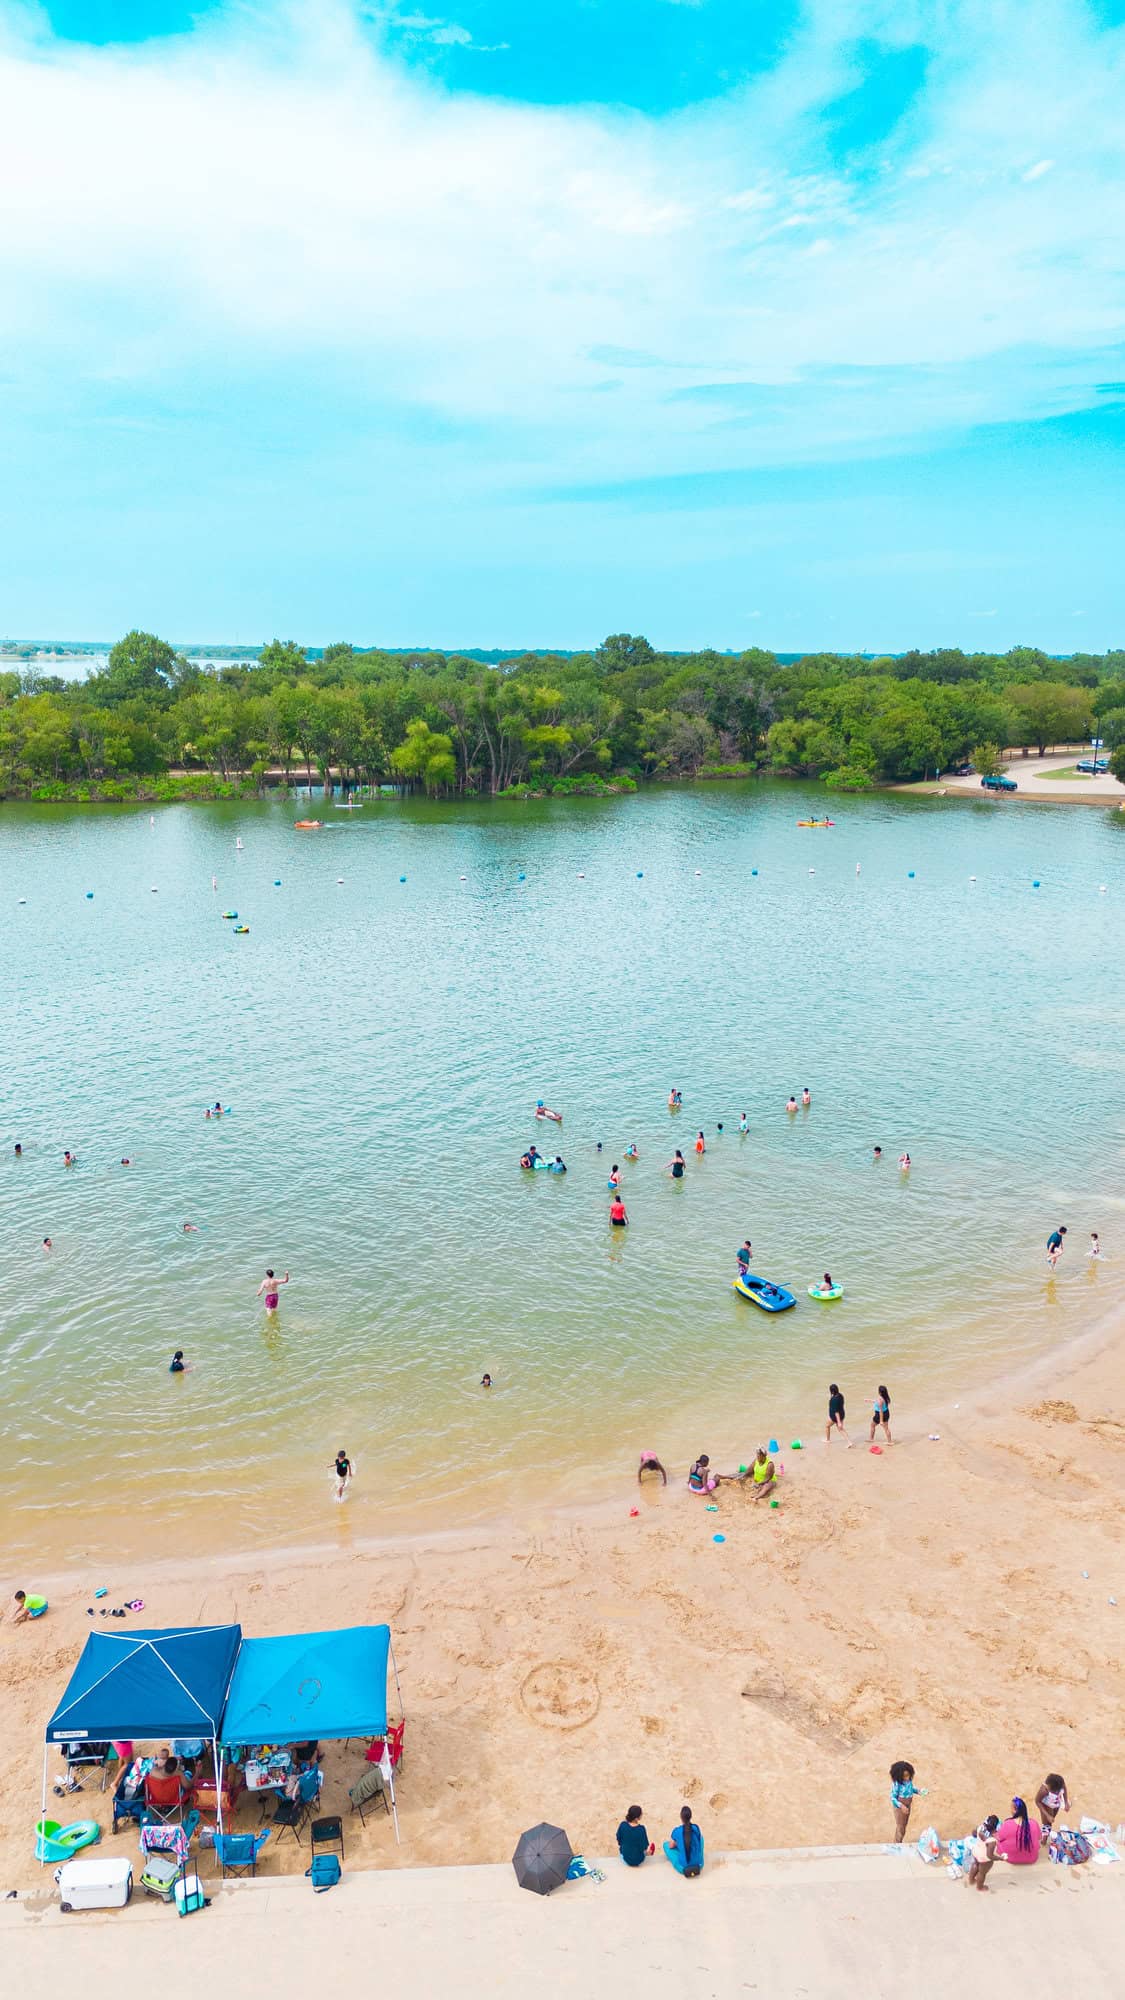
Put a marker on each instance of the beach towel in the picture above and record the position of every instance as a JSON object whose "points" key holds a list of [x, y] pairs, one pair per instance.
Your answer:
{"points": [[1069, 1849]]}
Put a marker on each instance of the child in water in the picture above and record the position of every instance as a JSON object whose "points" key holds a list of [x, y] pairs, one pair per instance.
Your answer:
{"points": [[1095, 1246], [345, 1472], [700, 1143]]}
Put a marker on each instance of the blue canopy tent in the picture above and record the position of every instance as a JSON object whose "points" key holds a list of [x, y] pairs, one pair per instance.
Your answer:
{"points": [[147, 1684], [312, 1686]]}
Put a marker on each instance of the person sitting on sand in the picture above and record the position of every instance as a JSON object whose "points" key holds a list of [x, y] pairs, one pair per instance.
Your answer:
{"points": [[903, 1793], [701, 1479], [633, 1843], [1051, 1799], [25, 1605], [650, 1463], [684, 1845], [1019, 1839], [984, 1851], [762, 1474]]}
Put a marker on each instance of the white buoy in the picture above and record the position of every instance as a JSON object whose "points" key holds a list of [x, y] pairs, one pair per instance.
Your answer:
{"points": [[857, 867], [812, 871], [339, 878], [23, 899], [152, 819], [154, 891], [1101, 888], [464, 878], [581, 875], [238, 841], [699, 871], [972, 878], [214, 884]]}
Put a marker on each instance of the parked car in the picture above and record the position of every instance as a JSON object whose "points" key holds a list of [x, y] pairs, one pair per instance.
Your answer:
{"points": [[1092, 766], [959, 771], [999, 785]]}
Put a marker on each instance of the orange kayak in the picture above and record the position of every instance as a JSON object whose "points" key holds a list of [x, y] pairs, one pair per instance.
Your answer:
{"points": [[307, 823]]}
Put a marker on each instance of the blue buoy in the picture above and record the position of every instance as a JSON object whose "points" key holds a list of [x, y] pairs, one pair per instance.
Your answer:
{"points": [[910, 874], [753, 871], [89, 895], [1035, 885], [523, 878], [640, 874], [277, 883], [402, 878]]}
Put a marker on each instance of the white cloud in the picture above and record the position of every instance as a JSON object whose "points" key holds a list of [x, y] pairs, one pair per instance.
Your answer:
{"points": [[275, 192], [1037, 172]]}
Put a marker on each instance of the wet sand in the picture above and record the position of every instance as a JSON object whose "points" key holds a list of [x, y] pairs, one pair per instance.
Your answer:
{"points": [[928, 1603]]}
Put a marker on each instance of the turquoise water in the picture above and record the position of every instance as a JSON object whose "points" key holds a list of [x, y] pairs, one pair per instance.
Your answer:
{"points": [[383, 1044]]}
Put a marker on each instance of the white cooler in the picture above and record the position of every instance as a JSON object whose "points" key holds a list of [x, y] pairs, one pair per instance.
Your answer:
{"points": [[100, 1882]]}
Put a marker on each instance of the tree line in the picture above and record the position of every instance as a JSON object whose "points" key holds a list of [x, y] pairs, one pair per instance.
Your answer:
{"points": [[155, 723]]}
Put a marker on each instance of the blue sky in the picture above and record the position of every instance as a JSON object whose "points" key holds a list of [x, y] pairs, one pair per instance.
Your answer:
{"points": [[790, 324]]}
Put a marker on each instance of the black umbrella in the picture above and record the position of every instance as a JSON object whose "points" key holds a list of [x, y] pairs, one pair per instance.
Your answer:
{"points": [[543, 1855]]}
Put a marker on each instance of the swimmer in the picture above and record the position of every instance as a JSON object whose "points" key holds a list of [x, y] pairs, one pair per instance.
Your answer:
{"points": [[1055, 1245], [70, 1160], [904, 1162], [214, 883], [791, 1106], [125, 1162], [836, 1414], [269, 1286], [558, 1164], [745, 1256], [615, 1176], [544, 1111], [1095, 1246], [177, 1365], [216, 1109], [345, 1472], [650, 1463], [743, 1125], [47, 1243], [598, 1147], [630, 1152], [675, 1098], [700, 1143], [720, 1128], [676, 1166], [529, 1158], [878, 1152], [486, 1381], [19, 1151], [617, 1215], [191, 1229], [806, 1097]]}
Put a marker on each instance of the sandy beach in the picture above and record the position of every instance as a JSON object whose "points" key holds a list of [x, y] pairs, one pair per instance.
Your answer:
{"points": [[950, 1602]]}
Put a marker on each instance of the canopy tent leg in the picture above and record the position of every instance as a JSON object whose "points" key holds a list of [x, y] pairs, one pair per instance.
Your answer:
{"points": [[394, 1811], [43, 1809], [398, 1683], [217, 1767]]}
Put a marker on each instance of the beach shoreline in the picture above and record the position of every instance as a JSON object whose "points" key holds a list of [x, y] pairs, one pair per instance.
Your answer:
{"points": [[942, 1602]]}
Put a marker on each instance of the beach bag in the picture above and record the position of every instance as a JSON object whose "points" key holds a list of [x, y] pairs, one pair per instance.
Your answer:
{"points": [[929, 1846], [325, 1872], [1067, 1848]]}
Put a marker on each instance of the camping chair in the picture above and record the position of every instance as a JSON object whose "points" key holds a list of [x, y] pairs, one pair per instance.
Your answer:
{"points": [[164, 1796], [367, 1791], [327, 1832], [81, 1753], [238, 1852], [394, 1737]]}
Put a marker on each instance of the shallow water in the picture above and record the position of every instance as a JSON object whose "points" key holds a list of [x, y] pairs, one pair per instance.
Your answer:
{"points": [[383, 1044]]}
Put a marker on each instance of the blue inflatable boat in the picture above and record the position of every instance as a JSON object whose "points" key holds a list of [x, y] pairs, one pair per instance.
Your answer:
{"points": [[771, 1298]]}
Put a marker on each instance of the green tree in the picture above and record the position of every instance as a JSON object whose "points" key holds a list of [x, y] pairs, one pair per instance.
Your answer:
{"points": [[986, 760], [425, 757], [140, 667]]}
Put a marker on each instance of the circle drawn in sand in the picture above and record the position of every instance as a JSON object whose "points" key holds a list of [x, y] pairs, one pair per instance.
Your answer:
{"points": [[559, 1695]]}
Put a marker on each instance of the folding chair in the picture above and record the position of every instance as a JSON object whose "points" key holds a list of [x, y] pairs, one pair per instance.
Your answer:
{"points": [[326, 1833], [289, 1815]]}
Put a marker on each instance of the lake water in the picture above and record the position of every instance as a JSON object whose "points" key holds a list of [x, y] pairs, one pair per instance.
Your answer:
{"points": [[383, 1043]]}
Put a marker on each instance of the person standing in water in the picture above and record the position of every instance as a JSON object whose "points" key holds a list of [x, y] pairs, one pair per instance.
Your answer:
{"points": [[1055, 1244], [1095, 1246], [700, 1143], [345, 1473], [743, 1125], [676, 1166], [791, 1106], [806, 1097], [745, 1257], [878, 1153], [269, 1286], [617, 1215], [675, 1098]]}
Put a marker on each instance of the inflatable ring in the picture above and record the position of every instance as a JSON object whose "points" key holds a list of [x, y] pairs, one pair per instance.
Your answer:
{"points": [[57, 1843], [826, 1291]]}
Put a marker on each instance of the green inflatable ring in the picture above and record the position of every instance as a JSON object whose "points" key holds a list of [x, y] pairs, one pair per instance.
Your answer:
{"points": [[823, 1292]]}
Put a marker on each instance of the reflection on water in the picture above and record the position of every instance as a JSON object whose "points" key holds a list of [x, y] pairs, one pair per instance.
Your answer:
{"points": [[383, 1043]]}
